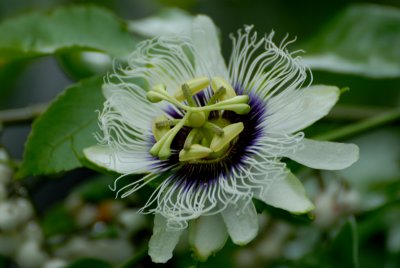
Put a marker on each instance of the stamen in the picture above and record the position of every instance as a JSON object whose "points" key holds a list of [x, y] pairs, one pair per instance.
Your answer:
{"points": [[191, 138], [167, 123], [195, 86], [162, 148], [214, 128], [159, 129], [219, 82], [230, 133], [195, 152], [188, 95]]}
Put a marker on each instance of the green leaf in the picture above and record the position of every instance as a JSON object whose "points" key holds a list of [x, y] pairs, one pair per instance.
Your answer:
{"points": [[362, 40], [58, 221], [59, 136], [344, 248], [85, 263], [83, 27], [96, 190]]}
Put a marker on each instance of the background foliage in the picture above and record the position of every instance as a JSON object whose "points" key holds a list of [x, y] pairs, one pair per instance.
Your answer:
{"points": [[53, 55]]}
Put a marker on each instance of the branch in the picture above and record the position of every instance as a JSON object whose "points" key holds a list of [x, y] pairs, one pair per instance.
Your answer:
{"points": [[21, 115]]}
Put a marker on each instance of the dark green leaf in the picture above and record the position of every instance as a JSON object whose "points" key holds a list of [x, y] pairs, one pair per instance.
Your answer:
{"points": [[96, 189], [85, 263], [58, 221], [363, 40], [344, 248], [64, 130], [84, 27]]}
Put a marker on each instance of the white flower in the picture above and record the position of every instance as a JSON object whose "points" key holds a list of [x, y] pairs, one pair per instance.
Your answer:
{"points": [[212, 137]]}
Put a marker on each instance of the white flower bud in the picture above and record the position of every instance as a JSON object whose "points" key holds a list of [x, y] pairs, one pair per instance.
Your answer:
{"points": [[86, 215], [30, 255], [13, 213], [32, 231], [55, 263], [131, 220]]}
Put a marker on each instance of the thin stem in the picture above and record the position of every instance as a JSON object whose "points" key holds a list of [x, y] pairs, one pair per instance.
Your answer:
{"points": [[19, 115], [361, 126]]}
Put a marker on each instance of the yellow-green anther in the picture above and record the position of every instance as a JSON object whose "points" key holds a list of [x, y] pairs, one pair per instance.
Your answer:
{"points": [[196, 119], [162, 148], [230, 133], [195, 86], [219, 82], [167, 122], [195, 152], [214, 128], [159, 128], [192, 138], [217, 95], [237, 108], [188, 95], [237, 104], [235, 100]]}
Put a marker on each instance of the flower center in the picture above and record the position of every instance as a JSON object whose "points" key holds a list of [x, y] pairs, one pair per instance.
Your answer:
{"points": [[210, 136]]}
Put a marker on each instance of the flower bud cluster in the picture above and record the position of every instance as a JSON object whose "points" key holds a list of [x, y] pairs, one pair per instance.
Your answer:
{"points": [[21, 238]]}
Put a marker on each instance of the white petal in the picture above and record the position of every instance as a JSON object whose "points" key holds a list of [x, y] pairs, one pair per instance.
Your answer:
{"points": [[293, 112], [241, 221], [207, 235], [325, 155], [287, 193], [205, 39], [118, 161], [163, 241], [170, 21]]}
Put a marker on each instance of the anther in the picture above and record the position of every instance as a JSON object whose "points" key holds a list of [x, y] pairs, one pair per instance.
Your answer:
{"points": [[217, 95], [192, 138], [188, 95], [159, 128], [214, 128], [219, 82], [195, 86], [195, 152], [230, 133]]}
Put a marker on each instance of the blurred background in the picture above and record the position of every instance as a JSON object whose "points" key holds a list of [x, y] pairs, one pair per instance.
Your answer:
{"points": [[75, 220]]}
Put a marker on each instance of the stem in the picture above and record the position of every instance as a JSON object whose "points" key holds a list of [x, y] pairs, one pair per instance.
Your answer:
{"points": [[20, 115], [361, 126]]}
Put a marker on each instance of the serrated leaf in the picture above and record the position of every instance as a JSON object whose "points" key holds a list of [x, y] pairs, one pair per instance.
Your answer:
{"points": [[84, 27], [64, 130], [363, 40]]}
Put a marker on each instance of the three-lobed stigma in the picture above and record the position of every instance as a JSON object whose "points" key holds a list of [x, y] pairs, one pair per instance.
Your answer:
{"points": [[211, 136]]}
